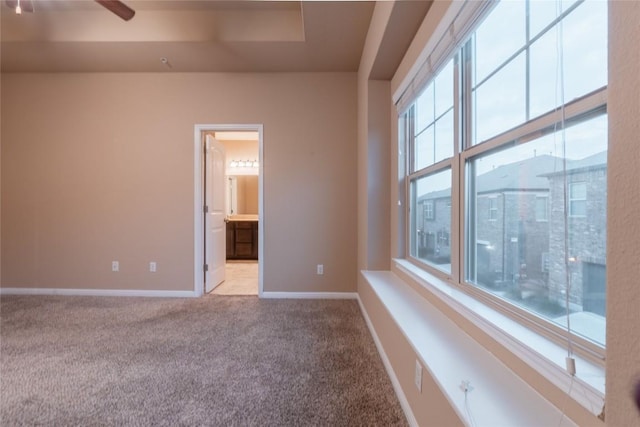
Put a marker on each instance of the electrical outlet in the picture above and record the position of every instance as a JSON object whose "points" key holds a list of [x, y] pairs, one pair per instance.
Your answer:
{"points": [[418, 376], [115, 266], [152, 266], [320, 269]]}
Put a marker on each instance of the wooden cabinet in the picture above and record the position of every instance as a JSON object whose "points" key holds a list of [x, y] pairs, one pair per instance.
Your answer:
{"points": [[242, 240]]}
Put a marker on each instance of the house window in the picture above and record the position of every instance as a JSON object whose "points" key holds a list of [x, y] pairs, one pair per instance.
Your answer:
{"points": [[542, 208], [493, 208], [494, 120], [429, 213], [578, 199]]}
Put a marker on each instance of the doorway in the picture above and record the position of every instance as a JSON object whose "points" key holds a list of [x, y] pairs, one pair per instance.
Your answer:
{"points": [[246, 236]]}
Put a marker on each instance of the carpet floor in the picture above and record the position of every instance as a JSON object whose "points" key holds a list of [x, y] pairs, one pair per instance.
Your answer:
{"points": [[193, 362]]}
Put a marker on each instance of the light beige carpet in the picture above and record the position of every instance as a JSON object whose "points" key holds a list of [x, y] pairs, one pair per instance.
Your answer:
{"points": [[218, 361], [241, 279]]}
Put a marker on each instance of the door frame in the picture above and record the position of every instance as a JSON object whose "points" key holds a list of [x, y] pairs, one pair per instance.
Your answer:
{"points": [[198, 197]]}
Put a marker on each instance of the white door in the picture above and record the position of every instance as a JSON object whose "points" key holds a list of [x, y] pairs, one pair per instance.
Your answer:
{"points": [[214, 225]]}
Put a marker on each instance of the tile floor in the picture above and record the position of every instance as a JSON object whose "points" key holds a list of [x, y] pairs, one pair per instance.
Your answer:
{"points": [[241, 279]]}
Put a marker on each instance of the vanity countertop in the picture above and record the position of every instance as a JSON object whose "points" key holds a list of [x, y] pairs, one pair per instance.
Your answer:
{"points": [[243, 217]]}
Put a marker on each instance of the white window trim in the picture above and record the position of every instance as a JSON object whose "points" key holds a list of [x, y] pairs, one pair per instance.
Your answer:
{"points": [[533, 345], [543, 355]]}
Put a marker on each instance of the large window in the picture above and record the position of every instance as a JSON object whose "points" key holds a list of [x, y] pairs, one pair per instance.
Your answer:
{"points": [[512, 132]]}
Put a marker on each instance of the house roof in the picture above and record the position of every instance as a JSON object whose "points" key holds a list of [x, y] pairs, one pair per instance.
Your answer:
{"points": [[520, 175], [526, 175], [594, 162]]}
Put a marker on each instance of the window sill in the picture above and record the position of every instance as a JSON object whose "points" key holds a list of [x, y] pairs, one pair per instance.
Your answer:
{"points": [[540, 353]]}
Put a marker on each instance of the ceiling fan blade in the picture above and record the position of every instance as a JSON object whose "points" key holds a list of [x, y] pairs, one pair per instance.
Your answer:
{"points": [[117, 7], [25, 5]]}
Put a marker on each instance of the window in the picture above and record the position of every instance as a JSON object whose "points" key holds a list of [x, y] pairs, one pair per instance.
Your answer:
{"points": [[493, 209], [430, 238], [542, 208], [503, 144], [434, 121], [429, 213], [578, 199]]}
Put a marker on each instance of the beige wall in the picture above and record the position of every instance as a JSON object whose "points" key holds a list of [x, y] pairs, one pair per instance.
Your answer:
{"points": [[240, 150], [99, 167], [623, 226], [373, 150], [623, 270]]}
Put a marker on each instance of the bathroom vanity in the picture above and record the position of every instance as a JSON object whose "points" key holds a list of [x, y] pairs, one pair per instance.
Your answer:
{"points": [[242, 237]]}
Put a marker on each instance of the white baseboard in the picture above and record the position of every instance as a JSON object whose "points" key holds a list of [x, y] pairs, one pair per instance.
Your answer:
{"points": [[404, 403], [309, 295], [96, 292]]}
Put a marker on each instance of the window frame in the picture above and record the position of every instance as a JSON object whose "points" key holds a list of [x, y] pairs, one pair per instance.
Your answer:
{"points": [[408, 116], [580, 109]]}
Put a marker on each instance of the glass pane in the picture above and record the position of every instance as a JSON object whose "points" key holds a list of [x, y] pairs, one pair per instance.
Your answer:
{"points": [[444, 137], [500, 102], [545, 92], [424, 152], [542, 210], [542, 13], [526, 261], [431, 219], [578, 190], [584, 54], [444, 89], [424, 109], [585, 49], [501, 34]]}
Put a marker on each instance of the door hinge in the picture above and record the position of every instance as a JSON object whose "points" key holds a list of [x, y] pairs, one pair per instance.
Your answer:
{"points": [[205, 209], [205, 268]]}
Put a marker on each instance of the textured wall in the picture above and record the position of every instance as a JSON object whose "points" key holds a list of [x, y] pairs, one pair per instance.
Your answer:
{"points": [[99, 167], [623, 225]]}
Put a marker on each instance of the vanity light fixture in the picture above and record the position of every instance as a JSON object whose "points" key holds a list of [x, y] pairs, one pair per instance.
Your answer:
{"points": [[244, 164], [18, 9]]}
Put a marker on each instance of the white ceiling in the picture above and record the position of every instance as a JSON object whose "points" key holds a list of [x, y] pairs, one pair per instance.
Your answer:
{"points": [[198, 36]]}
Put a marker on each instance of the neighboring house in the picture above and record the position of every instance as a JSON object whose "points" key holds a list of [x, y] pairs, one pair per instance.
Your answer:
{"points": [[512, 224], [434, 230], [512, 235], [586, 219], [520, 237]]}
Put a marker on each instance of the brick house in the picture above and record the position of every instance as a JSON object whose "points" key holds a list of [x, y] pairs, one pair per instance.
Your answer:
{"points": [[512, 235], [586, 220], [519, 229]]}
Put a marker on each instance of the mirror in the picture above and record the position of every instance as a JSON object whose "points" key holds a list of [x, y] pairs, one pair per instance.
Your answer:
{"points": [[242, 195]]}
